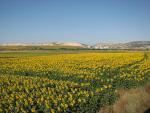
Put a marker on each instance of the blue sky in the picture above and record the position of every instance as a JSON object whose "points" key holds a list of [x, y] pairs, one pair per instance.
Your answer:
{"points": [[86, 21]]}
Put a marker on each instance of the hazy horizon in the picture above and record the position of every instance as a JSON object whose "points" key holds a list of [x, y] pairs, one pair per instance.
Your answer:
{"points": [[84, 21]]}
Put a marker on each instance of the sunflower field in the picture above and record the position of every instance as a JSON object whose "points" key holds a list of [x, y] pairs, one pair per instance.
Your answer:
{"points": [[68, 83]]}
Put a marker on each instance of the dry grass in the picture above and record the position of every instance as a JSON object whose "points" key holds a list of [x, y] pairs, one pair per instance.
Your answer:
{"points": [[130, 101]]}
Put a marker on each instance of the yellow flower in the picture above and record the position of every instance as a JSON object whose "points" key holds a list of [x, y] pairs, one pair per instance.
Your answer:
{"points": [[33, 110]]}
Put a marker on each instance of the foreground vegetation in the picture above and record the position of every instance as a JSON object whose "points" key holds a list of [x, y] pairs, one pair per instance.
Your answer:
{"points": [[76, 82], [134, 100]]}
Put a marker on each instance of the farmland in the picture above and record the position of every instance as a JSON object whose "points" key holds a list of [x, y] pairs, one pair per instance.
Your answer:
{"points": [[75, 82]]}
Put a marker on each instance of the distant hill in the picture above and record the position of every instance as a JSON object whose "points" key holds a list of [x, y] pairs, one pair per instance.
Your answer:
{"points": [[141, 45], [43, 46], [77, 44], [130, 45]]}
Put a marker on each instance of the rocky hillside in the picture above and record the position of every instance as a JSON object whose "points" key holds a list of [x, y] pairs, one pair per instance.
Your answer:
{"points": [[129, 45]]}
